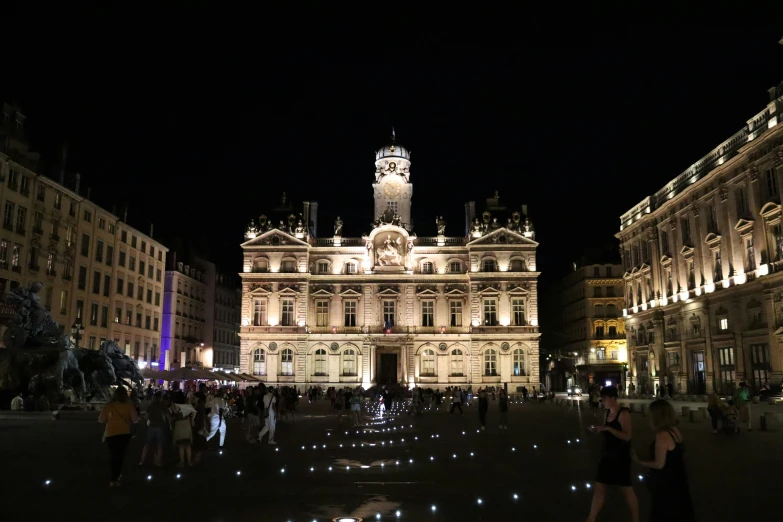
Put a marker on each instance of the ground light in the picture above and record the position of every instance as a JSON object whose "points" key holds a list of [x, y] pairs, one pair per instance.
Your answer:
{"points": [[179, 476], [398, 513], [149, 477], [479, 502], [573, 488], [516, 497], [47, 482], [434, 508]]}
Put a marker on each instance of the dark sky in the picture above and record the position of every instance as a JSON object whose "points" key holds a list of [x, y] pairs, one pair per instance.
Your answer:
{"points": [[199, 135]]}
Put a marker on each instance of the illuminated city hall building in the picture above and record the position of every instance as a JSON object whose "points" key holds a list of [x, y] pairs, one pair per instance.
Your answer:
{"points": [[390, 306], [703, 267]]}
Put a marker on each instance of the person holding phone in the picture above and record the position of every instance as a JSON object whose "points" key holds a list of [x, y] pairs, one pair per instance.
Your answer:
{"points": [[614, 469]]}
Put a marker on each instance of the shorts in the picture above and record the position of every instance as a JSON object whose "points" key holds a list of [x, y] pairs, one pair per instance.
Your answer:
{"points": [[155, 435], [356, 407]]}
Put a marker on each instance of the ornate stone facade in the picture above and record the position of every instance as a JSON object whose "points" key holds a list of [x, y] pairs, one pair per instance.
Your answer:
{"points": [[702, 311], [391, 306]]}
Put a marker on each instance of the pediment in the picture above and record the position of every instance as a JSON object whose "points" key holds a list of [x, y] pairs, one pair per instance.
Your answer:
{"points": [[426, 292], [489, 289], [455, 292], [390, 291], [686, 250], [288, 291], [258, 289], [744, 226], [322, 292], [350, 292], [519, 289], [274, 237], [770, 210], [666, 260], [712, 239], [502, 236]]}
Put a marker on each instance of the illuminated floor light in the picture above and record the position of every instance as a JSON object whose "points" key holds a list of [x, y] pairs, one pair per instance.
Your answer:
{"points": [[573, 488], [516, 497], [220, 452], [365, 467], [471, 453], [434, 508], [403, 440], [149, 477], [303, 447], [569, 442], [535, 446], [411, 461], [641, 477], [347, 468], [513, 449], [330, 468], [282, 470], [454, 456], [179, 476], [47, 482], [397, 463], [239, 473], [432, 458], [588, 486], [324, 446], [577, 441], [398, 513], [341, 445], [277, 449], [312, 469], [479, 501]]}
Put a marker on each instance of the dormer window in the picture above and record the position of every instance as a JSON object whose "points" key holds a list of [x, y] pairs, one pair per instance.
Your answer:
{"points": [[426, 267], [323, 267], [350, 267], [455, 267], [288, 265], [517, 265], [261, 265], [489, 265]]}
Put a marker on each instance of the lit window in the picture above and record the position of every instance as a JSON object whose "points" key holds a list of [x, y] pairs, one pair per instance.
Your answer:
{"points": [[519, 363], [490, 362], [319, 362], [287, 312], [427, 313], [287, 362], [724, 324], [349, 362], [259, 362], [322, 313], [456, 362], [428, 363]]}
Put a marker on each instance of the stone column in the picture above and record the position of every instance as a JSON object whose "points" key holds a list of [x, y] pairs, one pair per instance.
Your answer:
{"points": [[660, 352]]}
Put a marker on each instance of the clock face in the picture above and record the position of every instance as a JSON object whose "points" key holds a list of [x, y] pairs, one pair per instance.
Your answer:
{"points": [[392, 189], [392, 166]]}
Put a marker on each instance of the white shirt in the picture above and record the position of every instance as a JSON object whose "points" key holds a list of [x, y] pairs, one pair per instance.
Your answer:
{"points": [[216, 404], [269, 400]]}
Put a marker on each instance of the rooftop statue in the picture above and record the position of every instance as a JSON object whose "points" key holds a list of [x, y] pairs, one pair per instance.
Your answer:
{"points": [[441, 223], [338, 227]]}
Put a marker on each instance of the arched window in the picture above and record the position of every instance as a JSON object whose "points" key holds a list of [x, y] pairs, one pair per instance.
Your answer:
{"points": [[319, 362], [519, 363], [517, 265], [491, 362], [488, 265], [261, 265], [287, 362], [350, 267], [349, 362], [426, 267], [259, 362], [456, 362], [428, 363]]}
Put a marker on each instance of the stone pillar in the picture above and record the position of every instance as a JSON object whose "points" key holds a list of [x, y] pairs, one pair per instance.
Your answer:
{"points": [[660, 352]]}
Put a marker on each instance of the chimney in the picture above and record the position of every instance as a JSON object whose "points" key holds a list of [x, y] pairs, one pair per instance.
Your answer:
{"points": [[152, 230], [524, 210], [89, 189], [63, 159], [125, 215], [470, 213], [78, 182]]}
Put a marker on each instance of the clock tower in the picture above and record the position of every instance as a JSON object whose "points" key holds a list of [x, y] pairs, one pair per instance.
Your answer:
{"points": [[392, 187]]}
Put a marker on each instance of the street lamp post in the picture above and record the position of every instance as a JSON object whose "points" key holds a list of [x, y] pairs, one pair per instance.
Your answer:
{"points": [[77, 331]]}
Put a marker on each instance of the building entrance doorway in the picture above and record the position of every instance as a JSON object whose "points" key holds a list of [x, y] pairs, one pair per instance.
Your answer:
{"points": [[387, 369], [699, 382]]}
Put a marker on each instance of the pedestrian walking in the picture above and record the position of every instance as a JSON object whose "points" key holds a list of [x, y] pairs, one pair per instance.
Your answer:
{"points": [[157, 418], [356, 405], [456, 401], [743, 405], [667, 478], [216, 420], [119, 415], [483, 406], [270, 416], [614, 469], [715, 408], [503, 408]]}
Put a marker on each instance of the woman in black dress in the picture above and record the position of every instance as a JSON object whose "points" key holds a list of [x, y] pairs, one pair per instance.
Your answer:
{"points": [[667, 480], [615, 466]]}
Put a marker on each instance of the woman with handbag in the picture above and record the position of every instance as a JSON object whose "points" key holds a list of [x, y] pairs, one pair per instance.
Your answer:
{"points": [[667, 479], [119, 415]]}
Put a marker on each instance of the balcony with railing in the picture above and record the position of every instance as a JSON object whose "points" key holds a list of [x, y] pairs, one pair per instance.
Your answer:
{"points": [[275, 329]]}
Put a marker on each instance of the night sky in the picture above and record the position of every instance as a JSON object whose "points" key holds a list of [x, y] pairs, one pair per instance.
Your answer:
{"points": [[199, 137]]}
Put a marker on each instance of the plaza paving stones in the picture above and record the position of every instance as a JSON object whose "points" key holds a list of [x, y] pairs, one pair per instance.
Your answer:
{"points": [[436, 467]]}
